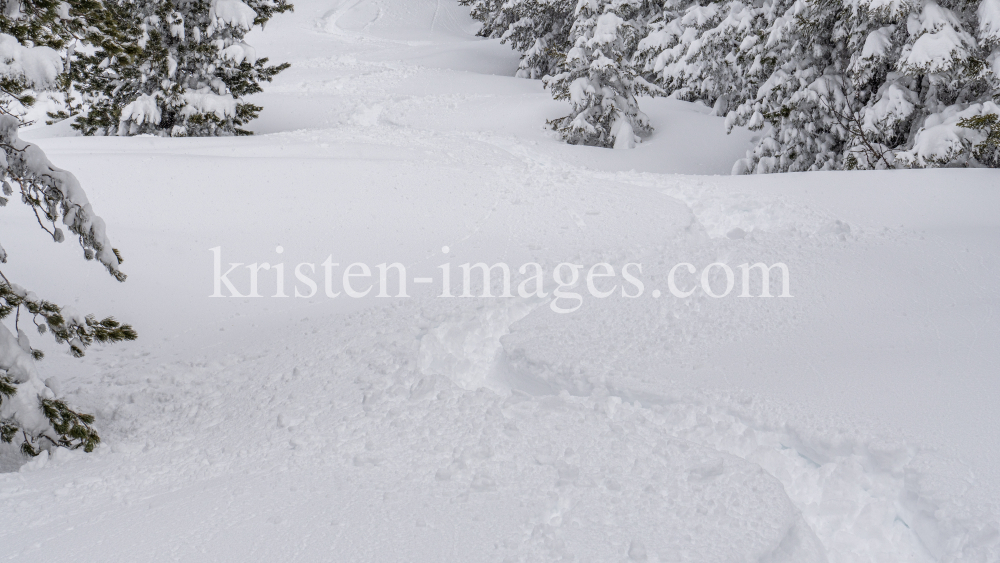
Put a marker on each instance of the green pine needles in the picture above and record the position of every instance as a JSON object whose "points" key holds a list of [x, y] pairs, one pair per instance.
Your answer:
{"points": [[77, 333], [830, 84], [187, 76], [62, 26], [987, 150], [73, 430], [31, 413]]}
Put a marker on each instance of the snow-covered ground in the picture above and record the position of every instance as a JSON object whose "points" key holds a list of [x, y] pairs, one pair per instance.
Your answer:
{"points": [[854, 422]]}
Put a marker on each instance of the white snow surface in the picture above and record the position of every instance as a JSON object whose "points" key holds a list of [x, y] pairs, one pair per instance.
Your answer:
{"points": [[854, 422]]}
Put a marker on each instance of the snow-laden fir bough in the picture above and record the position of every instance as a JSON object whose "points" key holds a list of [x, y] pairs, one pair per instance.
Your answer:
{"points": [[57, 25], [598, 80], [831, 84], [188, 76], [31, 413], [875, 84], [539, 29]]}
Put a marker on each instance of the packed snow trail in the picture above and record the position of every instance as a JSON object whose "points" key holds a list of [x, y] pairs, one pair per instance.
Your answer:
{"points": [[429, 429]]}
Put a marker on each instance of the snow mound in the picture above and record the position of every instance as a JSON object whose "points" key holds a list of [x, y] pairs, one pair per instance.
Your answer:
{"points": [[468, 351]]}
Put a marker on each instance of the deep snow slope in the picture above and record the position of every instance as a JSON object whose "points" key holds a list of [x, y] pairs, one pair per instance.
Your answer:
{"points": [[853, 422]]}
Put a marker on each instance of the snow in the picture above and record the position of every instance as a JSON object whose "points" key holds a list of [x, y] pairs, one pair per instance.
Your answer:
{"points": [[18, 365], [625, 136], [605, 31], [143, 110], [854, 422], [207, 101], [232, 13], [936, 52], [239, 52], [38, 66], [940, 40], [989, 20], [697, 16], [941, 137], [888, 7], [877, 43], [894, 105]]}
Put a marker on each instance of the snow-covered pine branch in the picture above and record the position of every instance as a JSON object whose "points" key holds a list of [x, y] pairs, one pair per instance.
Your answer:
{"points": [[189, 76], [538, 29], [871, 84], [23, 69], [62, 27], [598, 79], [30, 411], [831, 84], [54, 196]]}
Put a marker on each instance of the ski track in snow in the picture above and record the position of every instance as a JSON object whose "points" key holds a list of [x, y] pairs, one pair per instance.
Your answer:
{"points": [[472, 430]]}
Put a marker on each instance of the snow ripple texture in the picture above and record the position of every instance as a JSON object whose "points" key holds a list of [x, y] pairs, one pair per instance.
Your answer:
{"points": [[463, 430]]}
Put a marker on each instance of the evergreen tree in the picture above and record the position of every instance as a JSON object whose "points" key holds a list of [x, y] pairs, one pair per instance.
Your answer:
{"points": [[539, 29], [598, 78], [189, 75], [873, 84], [952, 60], [31, 414], [832, 84], [58, 25], [667, 53], [710, 51]]}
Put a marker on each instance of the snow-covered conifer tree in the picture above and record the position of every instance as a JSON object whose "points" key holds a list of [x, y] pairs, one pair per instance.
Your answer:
{"points": [[598, 79], [190, 76], [952, 57], [59, 25], [664, 54], [874, 84], [491, 14], [538, 29], [831, 84], [711, 52], [31, 413]]}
